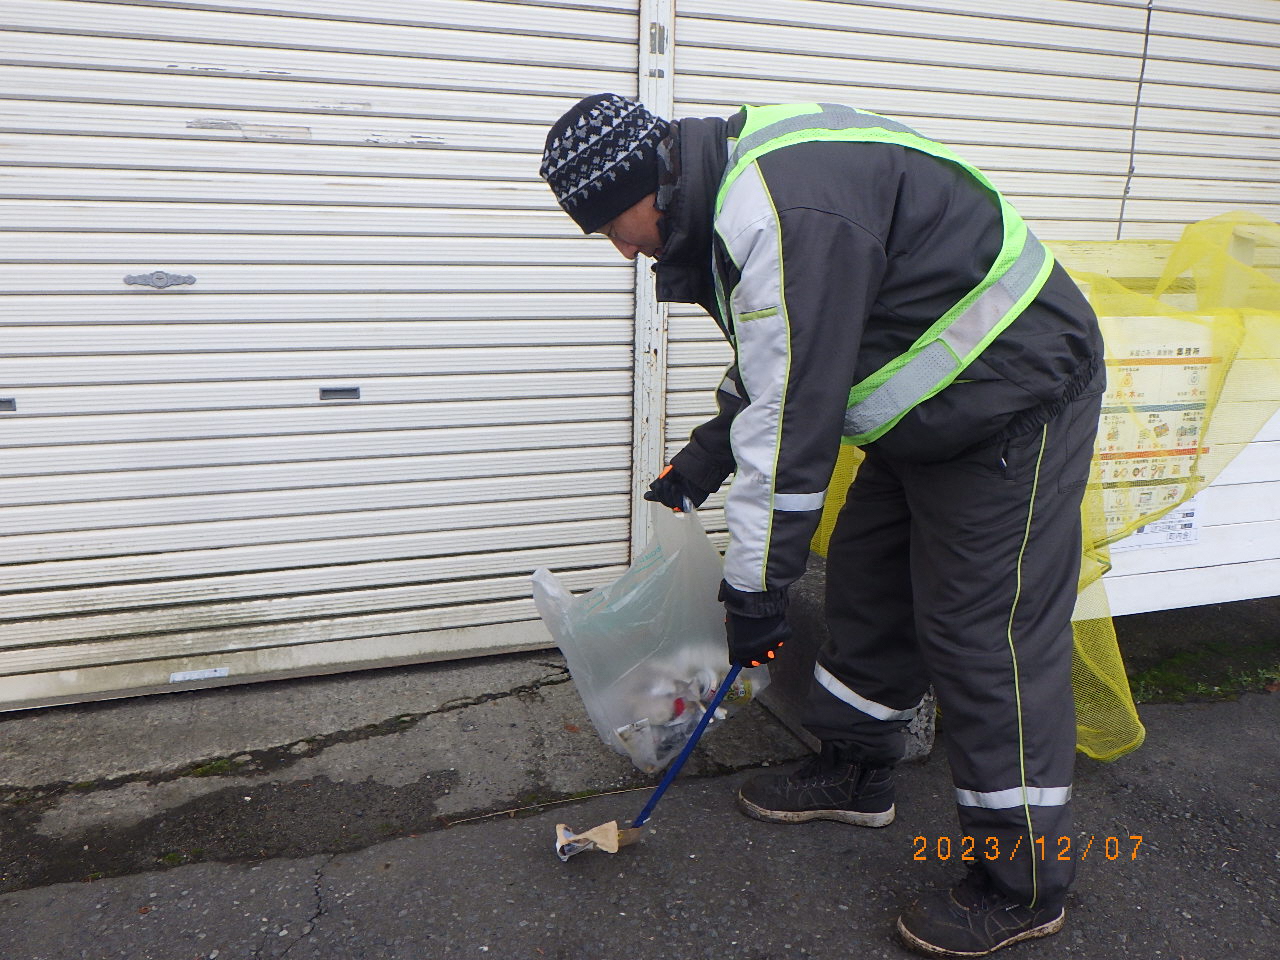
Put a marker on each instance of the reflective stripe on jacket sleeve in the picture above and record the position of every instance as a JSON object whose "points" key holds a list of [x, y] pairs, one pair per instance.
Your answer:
{"points": [[796, 319]]}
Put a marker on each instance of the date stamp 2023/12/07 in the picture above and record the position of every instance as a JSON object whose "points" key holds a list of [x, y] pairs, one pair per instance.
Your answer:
{"points": [[972, 849]]}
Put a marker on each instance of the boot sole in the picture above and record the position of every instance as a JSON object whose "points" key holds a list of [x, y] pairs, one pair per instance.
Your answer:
{"points": [[1044, 930], [854, 817]]}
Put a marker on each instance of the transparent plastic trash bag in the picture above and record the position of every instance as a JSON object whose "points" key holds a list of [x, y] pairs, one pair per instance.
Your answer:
{"points": [[647, 651]]}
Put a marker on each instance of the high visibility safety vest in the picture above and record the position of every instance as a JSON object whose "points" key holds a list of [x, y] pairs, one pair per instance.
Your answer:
{"points": [[959, 335]]}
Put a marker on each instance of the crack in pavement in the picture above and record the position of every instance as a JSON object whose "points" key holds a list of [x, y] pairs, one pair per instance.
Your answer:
{"points": [[248, 763], [310, 925]]}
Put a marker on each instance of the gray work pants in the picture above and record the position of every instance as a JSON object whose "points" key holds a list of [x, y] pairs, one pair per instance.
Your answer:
{"points": [[963, 574]]}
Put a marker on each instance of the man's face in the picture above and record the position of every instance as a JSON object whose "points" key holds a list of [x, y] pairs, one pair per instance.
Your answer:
{"points": [[635, 230]]}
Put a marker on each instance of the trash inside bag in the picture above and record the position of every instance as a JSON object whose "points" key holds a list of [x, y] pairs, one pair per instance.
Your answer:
{"points": [[647, 651]]}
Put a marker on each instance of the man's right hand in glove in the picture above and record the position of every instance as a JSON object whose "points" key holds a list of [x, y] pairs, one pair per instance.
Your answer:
{"points": [[672, 489], [754, 641]]}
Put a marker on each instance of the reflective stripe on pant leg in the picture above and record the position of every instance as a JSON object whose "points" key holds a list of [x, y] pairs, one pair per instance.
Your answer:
{"points": [[872, 709], [1014, 797], [875, 732], [870, 646]]}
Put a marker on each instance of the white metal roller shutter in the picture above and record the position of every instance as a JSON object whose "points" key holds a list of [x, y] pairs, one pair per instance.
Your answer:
{"points": [[1207, 136], [1097, 119], [190, 490]]}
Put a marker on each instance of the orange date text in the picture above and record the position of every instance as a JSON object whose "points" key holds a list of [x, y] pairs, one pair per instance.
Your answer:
{"points": [[973, 849]]}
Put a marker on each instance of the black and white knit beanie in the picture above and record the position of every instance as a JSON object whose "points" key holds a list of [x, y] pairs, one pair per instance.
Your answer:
{"points": [[601, 158]]}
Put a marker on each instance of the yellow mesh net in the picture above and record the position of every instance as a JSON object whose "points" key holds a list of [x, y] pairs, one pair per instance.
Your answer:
{"points": [[1192, 331]]}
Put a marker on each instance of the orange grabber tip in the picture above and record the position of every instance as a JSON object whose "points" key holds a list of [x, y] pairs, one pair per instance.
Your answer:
{"points": [[665, 471]]}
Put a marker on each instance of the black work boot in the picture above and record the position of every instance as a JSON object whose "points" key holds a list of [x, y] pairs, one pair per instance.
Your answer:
{"points": [[830, 786], [973, 919]]}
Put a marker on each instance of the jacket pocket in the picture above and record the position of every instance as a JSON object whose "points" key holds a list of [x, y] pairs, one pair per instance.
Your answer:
{"points": [[1081, 429]]}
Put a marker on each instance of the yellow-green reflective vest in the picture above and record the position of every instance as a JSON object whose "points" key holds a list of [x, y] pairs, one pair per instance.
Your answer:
{"points": [[960, 334]]}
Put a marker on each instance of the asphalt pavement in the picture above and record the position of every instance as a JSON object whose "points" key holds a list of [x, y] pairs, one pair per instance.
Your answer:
{"points": [[410, 815]]}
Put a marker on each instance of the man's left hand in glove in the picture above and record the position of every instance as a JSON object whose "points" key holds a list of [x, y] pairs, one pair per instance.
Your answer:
{"points": [[754, 641], [755, 624]]}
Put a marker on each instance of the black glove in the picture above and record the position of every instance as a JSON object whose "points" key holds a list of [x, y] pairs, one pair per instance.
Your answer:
{"points": [[755, 640], [672, 488]]}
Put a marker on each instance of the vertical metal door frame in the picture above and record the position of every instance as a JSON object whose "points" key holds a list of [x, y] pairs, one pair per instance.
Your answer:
{"points": [[649, 415]]}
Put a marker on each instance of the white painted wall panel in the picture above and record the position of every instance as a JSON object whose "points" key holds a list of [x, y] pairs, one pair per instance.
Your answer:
{"points": [[356, 194], [1192, 588], [1223, 545]]}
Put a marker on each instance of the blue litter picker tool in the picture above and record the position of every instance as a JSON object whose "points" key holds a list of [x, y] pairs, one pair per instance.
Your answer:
{"points": [[609, 837]]}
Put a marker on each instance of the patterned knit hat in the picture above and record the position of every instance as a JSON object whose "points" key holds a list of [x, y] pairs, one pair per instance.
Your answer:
{"points": [[601, 158]]}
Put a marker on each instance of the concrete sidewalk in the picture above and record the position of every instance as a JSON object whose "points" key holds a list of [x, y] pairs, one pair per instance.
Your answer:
{"points": [[410, 814]]}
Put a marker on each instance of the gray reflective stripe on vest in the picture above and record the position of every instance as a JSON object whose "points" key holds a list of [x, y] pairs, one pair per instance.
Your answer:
{"points": [[834, 116], [943, 357], [1014, 797]]}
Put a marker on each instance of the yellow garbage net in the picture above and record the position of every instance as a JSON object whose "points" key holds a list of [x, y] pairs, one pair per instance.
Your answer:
{"points": [[1192, 331]]}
